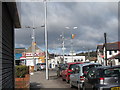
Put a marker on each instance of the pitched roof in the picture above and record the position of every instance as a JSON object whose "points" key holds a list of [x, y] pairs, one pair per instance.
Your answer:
{"points": [[113, 46], [13, 9], [36, 48], [110, 46], [100, 47]]}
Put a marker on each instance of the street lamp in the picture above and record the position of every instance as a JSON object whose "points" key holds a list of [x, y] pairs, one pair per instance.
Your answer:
{"points": [[73, 28], [63, 45], [46, 41]]}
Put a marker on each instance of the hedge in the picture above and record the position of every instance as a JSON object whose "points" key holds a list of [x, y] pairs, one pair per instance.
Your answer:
{"points": [[21, 71]]}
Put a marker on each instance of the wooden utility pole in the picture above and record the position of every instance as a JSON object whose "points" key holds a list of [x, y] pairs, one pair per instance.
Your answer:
{"points": [[105, 48]]}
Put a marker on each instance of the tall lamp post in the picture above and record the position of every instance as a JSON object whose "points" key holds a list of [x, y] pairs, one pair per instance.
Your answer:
{"points": [[73, 28], [46, 43]]}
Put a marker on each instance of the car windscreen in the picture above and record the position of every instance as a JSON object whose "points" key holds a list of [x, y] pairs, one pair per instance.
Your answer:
{"points": [[43, 63], [88, 67], [112, 72]]}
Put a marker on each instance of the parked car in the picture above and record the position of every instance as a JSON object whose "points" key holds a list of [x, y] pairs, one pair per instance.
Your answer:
{"points": [[102, 78], [67, 70], [77, 78], [59, 69], [41, 66]]}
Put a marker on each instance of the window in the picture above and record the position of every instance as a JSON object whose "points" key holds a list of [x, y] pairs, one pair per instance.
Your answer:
{"points": [[88, 67], [77, 69], [78, 60], [91, 74], [75, 60], [65, 58], [72, 66], [115, 51], [112, 72], [81, 59], [110, 52]]}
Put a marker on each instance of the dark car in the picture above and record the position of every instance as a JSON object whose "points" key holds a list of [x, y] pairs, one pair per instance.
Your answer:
{"points": [[104, 77]]}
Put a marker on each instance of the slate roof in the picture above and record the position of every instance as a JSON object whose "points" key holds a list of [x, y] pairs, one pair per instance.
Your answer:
{"points": [[113, 46], [110, 46]]}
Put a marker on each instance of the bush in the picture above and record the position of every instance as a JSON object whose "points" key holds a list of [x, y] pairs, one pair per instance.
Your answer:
{"points": [[21, 71]]}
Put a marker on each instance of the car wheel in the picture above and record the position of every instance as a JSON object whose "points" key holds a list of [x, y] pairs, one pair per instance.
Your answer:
{"points": [[78, 85], [63, 79], [83, 87], [71, 86]]}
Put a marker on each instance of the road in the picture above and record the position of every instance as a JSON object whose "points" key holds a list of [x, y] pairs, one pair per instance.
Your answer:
{"points": [[38, 81]]}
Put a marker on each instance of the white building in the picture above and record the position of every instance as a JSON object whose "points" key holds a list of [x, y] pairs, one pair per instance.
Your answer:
{"points": [[68, 59], [74, 59], [113, 53]]}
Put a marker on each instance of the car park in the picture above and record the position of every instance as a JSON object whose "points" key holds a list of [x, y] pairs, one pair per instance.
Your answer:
{"points": [[41, 66], [67, 70], [77, 76], [102, 78]]}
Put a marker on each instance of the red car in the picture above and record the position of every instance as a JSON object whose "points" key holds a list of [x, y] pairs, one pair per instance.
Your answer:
{"points": [[66, 72]]}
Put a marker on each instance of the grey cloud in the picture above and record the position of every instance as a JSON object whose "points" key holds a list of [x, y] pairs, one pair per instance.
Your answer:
{"points": [[92, 20]]}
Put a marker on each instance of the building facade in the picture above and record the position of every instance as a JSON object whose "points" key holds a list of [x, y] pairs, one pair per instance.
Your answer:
{"points": [[9, 20], [113, 52], [31, 58]]}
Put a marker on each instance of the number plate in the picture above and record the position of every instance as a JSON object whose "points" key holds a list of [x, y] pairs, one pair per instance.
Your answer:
{"points": [[115, 88]]}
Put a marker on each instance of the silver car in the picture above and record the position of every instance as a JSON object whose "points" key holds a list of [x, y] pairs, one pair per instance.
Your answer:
{"points": [[77, 77]]}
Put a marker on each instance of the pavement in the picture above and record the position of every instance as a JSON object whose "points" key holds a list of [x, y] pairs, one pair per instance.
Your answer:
{"points": [[38, 81]]}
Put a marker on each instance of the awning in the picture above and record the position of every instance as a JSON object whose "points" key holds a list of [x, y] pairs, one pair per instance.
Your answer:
{"points": [[22, 57]]}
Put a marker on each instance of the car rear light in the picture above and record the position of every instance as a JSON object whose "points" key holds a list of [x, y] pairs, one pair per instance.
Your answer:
{"points": [[82, 78], [101, 80]]}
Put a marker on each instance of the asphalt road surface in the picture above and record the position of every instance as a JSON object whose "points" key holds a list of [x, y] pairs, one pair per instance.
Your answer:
{"points": [[39, 82]]}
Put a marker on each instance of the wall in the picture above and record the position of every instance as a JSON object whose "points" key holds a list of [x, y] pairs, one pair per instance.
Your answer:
{"points": [[7, 48], [0, 45]]}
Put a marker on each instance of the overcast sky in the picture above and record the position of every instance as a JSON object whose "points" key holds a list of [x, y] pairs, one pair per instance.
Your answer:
{"points": [[91, 18]]}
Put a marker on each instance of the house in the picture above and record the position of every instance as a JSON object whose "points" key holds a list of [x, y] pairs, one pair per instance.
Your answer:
{"points": [[31, 59], [113, 50], [9, 20]]}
